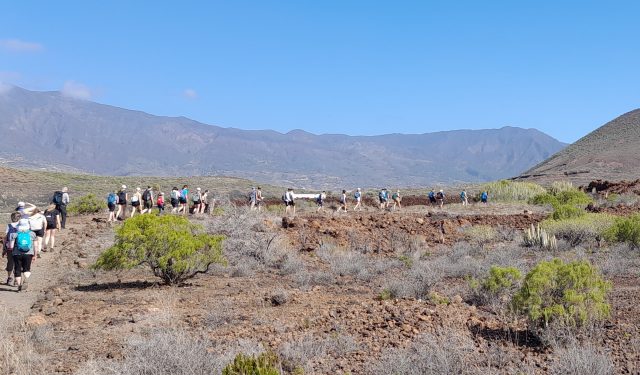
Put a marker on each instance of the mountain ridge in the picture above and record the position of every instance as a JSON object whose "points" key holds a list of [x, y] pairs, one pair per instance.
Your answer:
{"points": [[110, 140]]}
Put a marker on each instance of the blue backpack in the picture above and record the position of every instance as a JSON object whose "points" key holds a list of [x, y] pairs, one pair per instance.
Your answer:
{"points": [[23, 241], [356, 195], [111, 199]]}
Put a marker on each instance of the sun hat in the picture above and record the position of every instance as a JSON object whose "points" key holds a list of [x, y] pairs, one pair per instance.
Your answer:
{"points": [[20, 204], [198, 189], [124, 186], [23, 225]]}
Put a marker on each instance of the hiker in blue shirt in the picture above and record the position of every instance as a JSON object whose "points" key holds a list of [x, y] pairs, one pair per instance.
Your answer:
{"points": [[484, 197], [464, 198]]}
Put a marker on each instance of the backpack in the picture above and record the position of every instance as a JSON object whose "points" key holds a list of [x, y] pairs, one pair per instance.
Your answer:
{"points": [[319, 199], [23, 241], [146, 196], [432, 194], [122, 196], [484, 196], [285, 198], [195, 198], [356, 195], [175, 194], [134, 198], [51, 217], [394, 196], [439, 195], [12, 231], [111, 199], [57, 198], [462, 195], [381, 195]]}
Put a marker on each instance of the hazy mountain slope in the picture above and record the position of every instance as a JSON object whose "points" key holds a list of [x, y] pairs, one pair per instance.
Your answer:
{"points": [[611, 152], [48, 129]]}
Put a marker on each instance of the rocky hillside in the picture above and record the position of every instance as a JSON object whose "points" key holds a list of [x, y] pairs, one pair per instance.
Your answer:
{"points": [[610, 152], [47, 129]]}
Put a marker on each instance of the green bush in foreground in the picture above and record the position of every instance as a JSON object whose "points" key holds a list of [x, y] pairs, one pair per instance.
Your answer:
{"points": [[87, 204], [625, 229], [572, 294], [501, 279], [171, 246], [264, 364], [510, 191]]}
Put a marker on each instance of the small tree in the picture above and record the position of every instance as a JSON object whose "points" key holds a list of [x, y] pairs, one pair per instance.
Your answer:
{"points": [[572, 294], [171, 246]]}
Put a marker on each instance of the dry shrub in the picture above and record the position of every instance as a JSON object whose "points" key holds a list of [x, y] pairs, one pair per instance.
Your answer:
{"points": [[297, 355], [18, 355], [306, 279], [581, 359], [417, 283]]}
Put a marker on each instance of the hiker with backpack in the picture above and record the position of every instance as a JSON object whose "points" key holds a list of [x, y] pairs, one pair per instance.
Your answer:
{"points": [[204, 201], [253, 199], [383, 197], [343, 202], [396, 200], [432, 197], [7, 250], [135, 202], [147, 200], [184, 199], [259, 198], [484, 197], [61, 200], [160, 203], [463, 198], [440, 198], [174, 198], [289, 202], [122, 203], [38, 225], [112, 202], [24, 253], [52, 215], [25, 209], [196, 198], [358, 197], [320, 201]]}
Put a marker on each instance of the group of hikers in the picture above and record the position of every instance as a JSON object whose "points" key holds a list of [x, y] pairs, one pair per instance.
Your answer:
{"points": [[30, 233], [384, 197], [142, 201]]}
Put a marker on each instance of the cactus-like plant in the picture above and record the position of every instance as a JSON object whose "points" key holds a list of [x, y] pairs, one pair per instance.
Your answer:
{"points": [[537, 237]]}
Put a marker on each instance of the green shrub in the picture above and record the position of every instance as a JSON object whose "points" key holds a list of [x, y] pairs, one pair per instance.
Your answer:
{"points": [[501, 279], [567, 211], [510, 191], [574, 197], [572, 294], [264, 364], [84, 205], [544, 199], [625, 229], [589, 227], [171, 246]]}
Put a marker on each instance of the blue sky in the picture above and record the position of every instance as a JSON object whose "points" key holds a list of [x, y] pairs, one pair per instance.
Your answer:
{"points": [[354, 67]]}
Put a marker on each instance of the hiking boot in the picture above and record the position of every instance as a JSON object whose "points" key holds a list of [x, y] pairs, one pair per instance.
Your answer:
{"points": [[24, 285], [9, 281]]}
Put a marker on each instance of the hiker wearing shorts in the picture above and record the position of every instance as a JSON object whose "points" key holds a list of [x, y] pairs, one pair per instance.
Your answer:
{"points": [[122, 203], [53, 223], [289, 202], [136, 199], [253, 199], [7, 250], [320, 201], [358, 197], [343, 202], [197, 201], [147, 200], [112, 202], [396, 200], [183, 200], [440, 198], [383, 197], [432, 197], [61, 200], [204, 201], [259, 198], [160, 202], [174, 198], [38, 224], [463, 198], [24, 254]]}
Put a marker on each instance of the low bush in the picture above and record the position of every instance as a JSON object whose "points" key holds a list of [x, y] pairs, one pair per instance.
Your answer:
{"points": [[510, 191], [481, 234], [171, 246], [416, 283], [586, 359], [587, 228], [625, 229], [572, 294], [264, 364], [85, 205], [559, 186], [567, 211], [497, 287]]}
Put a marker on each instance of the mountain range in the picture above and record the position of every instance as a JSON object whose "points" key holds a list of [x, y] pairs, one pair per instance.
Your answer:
{"points": [[52, 131]]}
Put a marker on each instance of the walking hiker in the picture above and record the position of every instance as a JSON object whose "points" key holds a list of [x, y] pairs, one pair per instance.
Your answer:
{"points": [[53, 223], [253, 199], [7, 250], [440, 198], [122, 203], [25, 209], [204, 201], [383, 197], [24, 253], [484, 197], [396, 200], [147, 200], [184, 199], [135, 202], [358, 197], [61, 200], [259, 198], [463, 198], [174, 198], [197, 200], [432, 197], [112, 202], [289, 202], [320, 201], [343, 201], [160, 203], [38, 224]]}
